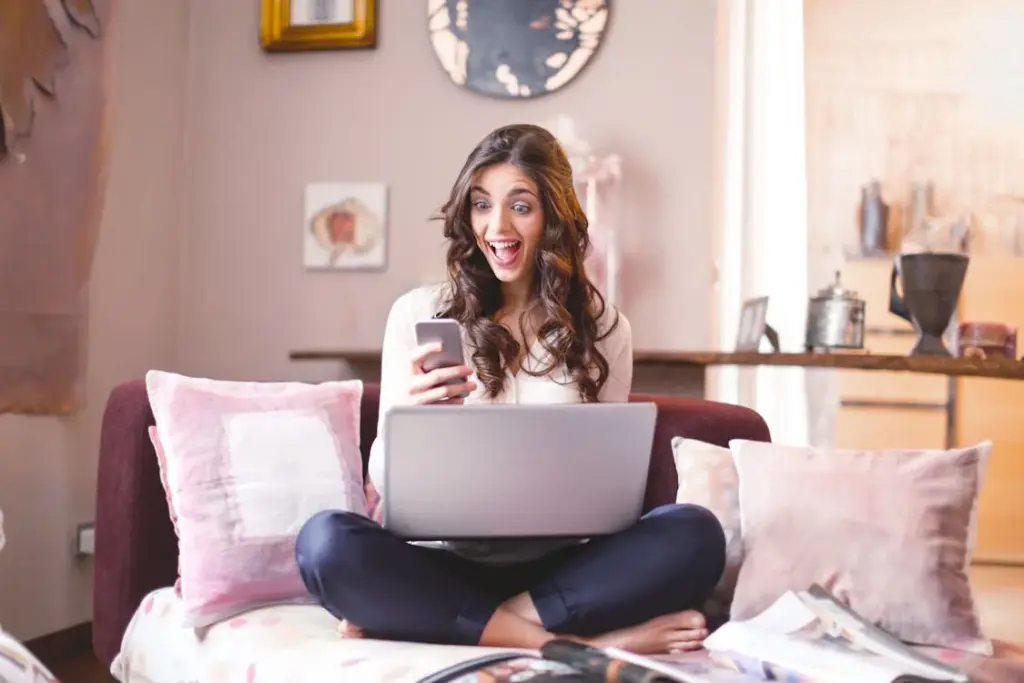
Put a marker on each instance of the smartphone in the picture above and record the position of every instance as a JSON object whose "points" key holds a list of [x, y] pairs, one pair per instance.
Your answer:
{"points": [[449, 333]]}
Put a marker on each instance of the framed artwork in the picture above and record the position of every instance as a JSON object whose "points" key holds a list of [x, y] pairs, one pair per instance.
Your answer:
{"points": [[753, 324], [299, 25], [345, 226]]}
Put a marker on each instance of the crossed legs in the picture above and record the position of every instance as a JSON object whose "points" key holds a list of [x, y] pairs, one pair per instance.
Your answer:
{"points": [[635, 589]]}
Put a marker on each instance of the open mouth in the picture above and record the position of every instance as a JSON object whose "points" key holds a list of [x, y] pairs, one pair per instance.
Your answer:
{"points": [[505, 252]]}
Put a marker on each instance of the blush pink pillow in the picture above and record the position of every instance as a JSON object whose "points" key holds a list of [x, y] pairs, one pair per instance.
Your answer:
{"points": [[707, 477], [888, 532], [161, 461], [244, 465]]}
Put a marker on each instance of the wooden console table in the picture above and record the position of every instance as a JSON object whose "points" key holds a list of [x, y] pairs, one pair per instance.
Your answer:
{"points": [[336, 354], [997, 368]]}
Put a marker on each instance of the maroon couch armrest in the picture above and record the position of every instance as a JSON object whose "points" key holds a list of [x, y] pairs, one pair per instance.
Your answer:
{"points": [[136, 548], [692, 418]]}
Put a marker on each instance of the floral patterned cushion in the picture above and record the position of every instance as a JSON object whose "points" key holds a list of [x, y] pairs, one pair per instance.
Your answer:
{"points": [[278, 644], [18, 665]]}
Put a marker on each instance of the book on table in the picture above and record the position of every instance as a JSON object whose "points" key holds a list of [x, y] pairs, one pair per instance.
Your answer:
{"points": [[803, 637]]}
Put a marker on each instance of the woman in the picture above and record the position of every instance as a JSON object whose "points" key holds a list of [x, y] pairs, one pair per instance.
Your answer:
{"points": [[538, 332]]}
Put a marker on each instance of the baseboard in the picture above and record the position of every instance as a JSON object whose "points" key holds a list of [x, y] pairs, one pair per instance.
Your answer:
{"points": [[54, 649]]}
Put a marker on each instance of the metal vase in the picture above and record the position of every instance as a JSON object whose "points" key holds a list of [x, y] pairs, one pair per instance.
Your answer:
{"points": [[931, 285]]}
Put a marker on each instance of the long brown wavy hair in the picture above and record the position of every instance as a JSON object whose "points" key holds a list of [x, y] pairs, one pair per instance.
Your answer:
{"points": [[564, 300]]}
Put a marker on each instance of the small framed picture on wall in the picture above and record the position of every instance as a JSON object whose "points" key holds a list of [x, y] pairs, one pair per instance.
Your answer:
{"points": [[300, 25], [345, 226]]}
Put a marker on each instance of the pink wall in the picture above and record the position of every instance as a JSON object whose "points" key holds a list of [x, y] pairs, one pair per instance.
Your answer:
{"points": [[259, 127]]}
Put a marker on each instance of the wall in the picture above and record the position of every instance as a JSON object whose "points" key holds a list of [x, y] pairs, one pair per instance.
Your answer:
{"points": [[48, 465], [910, 91], [259, 127]]}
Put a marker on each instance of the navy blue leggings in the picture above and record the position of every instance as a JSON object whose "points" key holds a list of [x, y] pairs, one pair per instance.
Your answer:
{"points": [[668, 561]]}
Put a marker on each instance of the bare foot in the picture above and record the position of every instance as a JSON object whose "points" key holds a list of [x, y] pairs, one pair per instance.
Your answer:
{"points": [[347, 629], [522, 606], [674, 632], [506, 629]]}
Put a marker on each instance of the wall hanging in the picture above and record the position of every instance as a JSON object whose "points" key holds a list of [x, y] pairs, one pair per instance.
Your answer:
{"points": [[345, 226], [519, 49], [54, 116], [299, 25]]}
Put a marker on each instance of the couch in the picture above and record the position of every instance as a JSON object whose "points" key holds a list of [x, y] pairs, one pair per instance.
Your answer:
{"points": [[136, 548]]}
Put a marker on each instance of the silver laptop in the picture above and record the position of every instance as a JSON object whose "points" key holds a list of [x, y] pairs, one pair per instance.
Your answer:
{"points": [[515, 471]]}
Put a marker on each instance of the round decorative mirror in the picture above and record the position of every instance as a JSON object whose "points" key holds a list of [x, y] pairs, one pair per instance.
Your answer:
{"points": [[515, 49]]}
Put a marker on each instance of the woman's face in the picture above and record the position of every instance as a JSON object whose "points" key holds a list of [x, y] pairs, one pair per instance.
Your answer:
{"points": [[508, 221]]}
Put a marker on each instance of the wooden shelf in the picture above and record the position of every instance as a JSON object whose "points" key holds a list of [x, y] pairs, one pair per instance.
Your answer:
{"points": [[336, 354], [933, 365]]}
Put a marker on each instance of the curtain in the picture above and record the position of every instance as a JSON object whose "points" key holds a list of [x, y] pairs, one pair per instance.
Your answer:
{"points": [[761, 214], [53, 68]]}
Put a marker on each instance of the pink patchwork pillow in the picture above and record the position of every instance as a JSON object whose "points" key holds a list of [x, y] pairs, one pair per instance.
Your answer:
{"points": [[244, 465], [161, 462]]}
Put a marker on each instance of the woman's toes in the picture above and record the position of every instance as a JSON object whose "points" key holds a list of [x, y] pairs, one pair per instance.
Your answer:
{"points": [[677, 620], [687, 640], [349, 630], [693, 619], [685, 646], [690, 620]]}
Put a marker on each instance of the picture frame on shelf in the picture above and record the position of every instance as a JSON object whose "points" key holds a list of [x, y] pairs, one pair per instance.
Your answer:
{"points": [[753, 324], [303, 25], [345, 226]]}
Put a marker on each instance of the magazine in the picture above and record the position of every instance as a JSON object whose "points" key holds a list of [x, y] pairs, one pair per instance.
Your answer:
{"points": [[563, 661], [810, 637], [804, 637]]}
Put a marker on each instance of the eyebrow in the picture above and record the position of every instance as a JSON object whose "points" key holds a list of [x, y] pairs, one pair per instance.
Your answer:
{"points": [[515, 191]]}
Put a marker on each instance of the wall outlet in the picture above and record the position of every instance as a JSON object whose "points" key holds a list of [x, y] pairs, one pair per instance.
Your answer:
{"points": [[85, 540]]}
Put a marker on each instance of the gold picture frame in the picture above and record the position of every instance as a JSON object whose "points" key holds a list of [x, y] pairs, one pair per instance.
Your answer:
{"points": [[300, 25]]}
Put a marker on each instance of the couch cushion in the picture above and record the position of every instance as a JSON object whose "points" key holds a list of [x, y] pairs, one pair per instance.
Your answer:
{"points": [[692, 418], [886, 531], [283, 644], [245, 465], [707, 477]]}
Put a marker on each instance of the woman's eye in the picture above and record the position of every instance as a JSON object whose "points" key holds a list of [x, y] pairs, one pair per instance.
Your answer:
{"points": [[480, 205], [521, 209]]}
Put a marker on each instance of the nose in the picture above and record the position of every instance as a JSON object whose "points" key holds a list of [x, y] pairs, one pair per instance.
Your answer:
{"points": [[498, 221]]}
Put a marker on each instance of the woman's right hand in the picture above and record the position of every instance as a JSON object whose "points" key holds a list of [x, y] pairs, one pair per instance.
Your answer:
{"points": [[433, 386]]}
